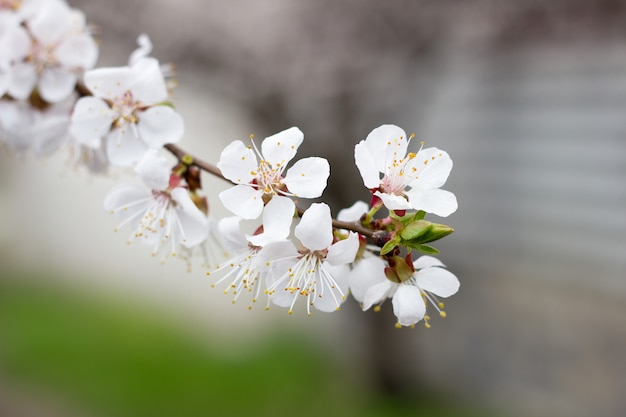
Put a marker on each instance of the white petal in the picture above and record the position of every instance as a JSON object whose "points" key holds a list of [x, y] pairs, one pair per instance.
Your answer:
{"points": [[393, 202], [343, 251], [315, 230], [123, 196], [238, 163], [386, 144], [307, 177], [51, 23], [154, 170], [78, 52], [193, 222], [148, 85], [160, 125], [244, 201], [367, 165], [354, 212], [21, 79], [280, 148], [56, 84], [277, 218], [408, 305], [230, 230], [15, 43], [436, 201], [328, 298], [109, 83], [378, 293], [91, 120], [144, 49], [275, 252], [432, 166], [439, 281], [366, 273], [124, 148], [426, 261]]}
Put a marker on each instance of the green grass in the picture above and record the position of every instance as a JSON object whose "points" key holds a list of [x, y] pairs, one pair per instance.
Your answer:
{"points": [[122, 361]]}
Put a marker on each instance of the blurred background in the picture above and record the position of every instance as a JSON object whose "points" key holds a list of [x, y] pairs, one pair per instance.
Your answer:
{"points": [[527, 96]]}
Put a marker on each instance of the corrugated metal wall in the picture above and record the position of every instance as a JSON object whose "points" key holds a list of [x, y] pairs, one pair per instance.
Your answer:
{"points": [[538, 137]]}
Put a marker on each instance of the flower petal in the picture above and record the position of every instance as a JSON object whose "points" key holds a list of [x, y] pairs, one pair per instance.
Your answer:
{"points": [[436, 201], [154, 170], [408, 305], [393, 202], [432, 168], [366, 164], [277, 218], [343, 251], [109, 83], [366, 273], [144, 49], [386, 144], [230, 230], [238, 163], [280, 148], [148, 85], [307, 177], [22, 78], [354, 212], [194, 224], [329, 295], [56, 84], [275, 253], [426, 261], [160, 125], [123, 196], [91, 120], [51, 23], [77, 52], [378, 293], [438, 281], [124, 148], [315, 230], [244, 201]]}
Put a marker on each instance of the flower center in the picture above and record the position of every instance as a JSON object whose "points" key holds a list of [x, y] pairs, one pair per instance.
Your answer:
{"points": [[43, 56], [126, 107]]}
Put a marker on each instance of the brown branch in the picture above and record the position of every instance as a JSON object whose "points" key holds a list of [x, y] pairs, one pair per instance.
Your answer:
{"points": [[205, 166]]}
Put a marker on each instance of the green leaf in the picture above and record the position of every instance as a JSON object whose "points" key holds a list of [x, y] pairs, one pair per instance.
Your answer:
{"points": [[428, 250], [415, 229], [434, 232], [389, 246]]}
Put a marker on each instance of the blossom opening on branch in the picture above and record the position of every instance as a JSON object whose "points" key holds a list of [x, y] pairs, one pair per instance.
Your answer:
{"points": [[246, 271], [57, 49], [260, 180], [409, 181], [429, 281], [319, 268], [163, 212], [129, 109]]}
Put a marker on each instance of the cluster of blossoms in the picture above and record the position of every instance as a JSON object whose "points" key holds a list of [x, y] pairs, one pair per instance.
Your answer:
{"points": [[52, 97]]}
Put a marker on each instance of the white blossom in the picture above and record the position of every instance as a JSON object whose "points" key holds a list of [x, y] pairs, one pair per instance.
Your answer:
{"points": [[259, 180], [161, 213], [23, 126], [409, 181], [59, 50], [409, 298], [128, 109], [319, 268]]}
